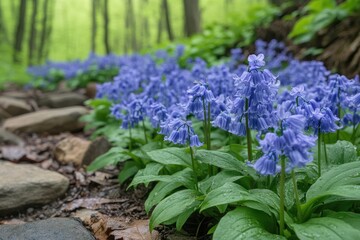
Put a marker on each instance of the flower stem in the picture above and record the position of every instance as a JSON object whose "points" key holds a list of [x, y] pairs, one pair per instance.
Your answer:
{"points": [[297, 199], [209, 126], [194, 166], [325, 152], [248, 132], [282, 195], [130, 136], [319, 153], [143, 125]]}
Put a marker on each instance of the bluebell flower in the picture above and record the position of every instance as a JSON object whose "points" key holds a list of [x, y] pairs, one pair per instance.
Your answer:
{"points": [[179, 131], [267, 164], [256, 61], [222, 121]]}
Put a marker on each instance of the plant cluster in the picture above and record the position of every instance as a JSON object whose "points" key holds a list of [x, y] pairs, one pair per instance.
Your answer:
{"points": [[319, 14], [76, 73], [265, 149]]}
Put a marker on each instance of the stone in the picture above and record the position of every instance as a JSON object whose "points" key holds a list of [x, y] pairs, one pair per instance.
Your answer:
{"points": [[61, 100], [23, 185], [90, 90], [15, 94], [7, 137], [52, 228], [49, 120], [71, 150], [97, 147], [14, 107], [79, 151]]}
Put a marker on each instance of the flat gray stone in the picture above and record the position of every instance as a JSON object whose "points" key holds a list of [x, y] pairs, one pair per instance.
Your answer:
{"points": [[23, 185], [50, 229], [60, 100], [50, 120], [14, 107]]}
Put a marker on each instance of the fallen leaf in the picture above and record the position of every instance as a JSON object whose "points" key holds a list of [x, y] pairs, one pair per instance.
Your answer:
{"points": [[11, 221], [13, 153], [137, 230], [90, 203]]}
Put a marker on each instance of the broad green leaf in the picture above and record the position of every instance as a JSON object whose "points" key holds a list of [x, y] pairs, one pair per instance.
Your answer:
{"points": [[182, 218], [245, 223], [175, 156], [346, 174], [339, 153], [113, 156], [147, 174], [159, 192], [218, 180], [326, 228], [350, 218], [228, 193], [222, 160], [130, 169], [173, 206]]}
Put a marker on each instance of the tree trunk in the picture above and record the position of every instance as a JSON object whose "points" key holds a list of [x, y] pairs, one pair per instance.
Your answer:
{"points": [[43, 34], [192, 17], [3, 31], [32, 38], [106, 26], [160, 23], [19, 33], [93, 26], [167, 20], [49, 30], [145, 23], [132, 25]]}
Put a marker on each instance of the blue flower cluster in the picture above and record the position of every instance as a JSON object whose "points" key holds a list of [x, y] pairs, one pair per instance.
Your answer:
{"points": [[269, 92]]}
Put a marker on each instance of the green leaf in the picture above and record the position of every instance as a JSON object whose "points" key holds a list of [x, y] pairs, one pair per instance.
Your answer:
{"points": [[245, 223], [113, 156], [174, 156], [341, 152], [147, 174], [228, 193], [173, 206], [222, 160], [350, 218], [326, 228], [130, 169], [218, 180], [182, 218], [346, 174], [159, 192]]}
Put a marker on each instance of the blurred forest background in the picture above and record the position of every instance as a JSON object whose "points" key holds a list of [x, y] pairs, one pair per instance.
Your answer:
{"points": [[33, 31]]}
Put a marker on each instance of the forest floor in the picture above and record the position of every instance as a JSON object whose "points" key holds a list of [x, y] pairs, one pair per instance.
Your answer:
{"points": [[107, 209]]}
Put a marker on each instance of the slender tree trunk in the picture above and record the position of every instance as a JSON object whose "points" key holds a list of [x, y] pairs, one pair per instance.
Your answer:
{"points": [[20, 29], [49, 30], [32, 38], [132, 25], [167, 20], [192, 17], [160, 23], [106, 26], [94, 26], [145, 30], [43, 34], [3, 31]]}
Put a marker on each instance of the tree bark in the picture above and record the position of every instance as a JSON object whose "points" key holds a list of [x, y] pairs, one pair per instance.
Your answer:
{"points": [[106, 26], [167, 20], [20, 29], [93, 26], [32, 38], [3, 31], [43, 34], [192, 17]]}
